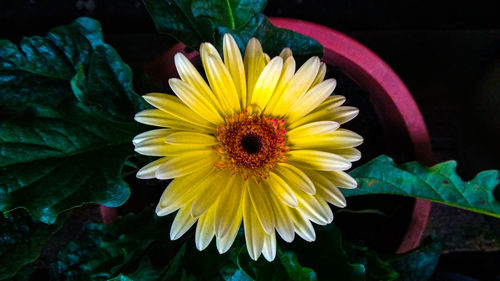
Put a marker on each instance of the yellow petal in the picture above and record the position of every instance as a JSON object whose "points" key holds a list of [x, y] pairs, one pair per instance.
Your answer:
{"points": [[205, 229], [312, 99], [333, 195], [264, 60], [148, 171], [195, 101], [283, 222], [302, 226], [221, 84], [158, 147], [209, 49], [191, 138], [234, 63], [269, 247], [189, 74], [339, 139], [327, 189], [186, 163], [254, 233], [252, 64], [152, 134], [320, 76], [311, 129], [182, 223], [175, 107], [297, 86], [181, 191], [265, 85], [228, 207], [225, 241], [315, 209], [286, 53], [153, 141], [344, 138], [282, 190], [262, 203], [318, 160], [331, 102], [156, 117], [343, 114], [209, 193], [351, 154], [315, 116], [341, 179], [287, 73], [295, 178]]}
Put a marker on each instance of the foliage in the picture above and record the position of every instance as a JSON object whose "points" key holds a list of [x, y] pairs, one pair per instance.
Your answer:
{"points": [[327, 257], [439, 183], [67, 108], [103, 251], [196, 21], [376, 268], [22, 241], [417, 264]]}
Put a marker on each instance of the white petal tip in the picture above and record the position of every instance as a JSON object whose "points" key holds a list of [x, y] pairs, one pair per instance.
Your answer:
{"points": [[222, 250], [270, 257], [340, 204], [163, 211], [287, 237]]}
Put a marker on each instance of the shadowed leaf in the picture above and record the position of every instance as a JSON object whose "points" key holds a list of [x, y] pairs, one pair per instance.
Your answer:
{"points": [[67, 108]]}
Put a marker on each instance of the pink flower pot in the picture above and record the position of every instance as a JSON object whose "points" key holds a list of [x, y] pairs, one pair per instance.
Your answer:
{"points": [[393, 103]]}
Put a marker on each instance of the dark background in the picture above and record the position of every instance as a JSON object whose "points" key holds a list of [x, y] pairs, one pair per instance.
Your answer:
{"points": [[447, 53]]}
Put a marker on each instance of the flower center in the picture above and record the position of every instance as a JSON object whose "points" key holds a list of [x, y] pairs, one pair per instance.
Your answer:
{"points": [[251, 144]]}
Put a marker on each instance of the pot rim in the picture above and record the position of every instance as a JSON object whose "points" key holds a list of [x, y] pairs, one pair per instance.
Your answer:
{"points": [[376, 77]]}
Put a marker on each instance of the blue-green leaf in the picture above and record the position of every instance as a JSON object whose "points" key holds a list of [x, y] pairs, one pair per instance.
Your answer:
{"points": [[418, 264], [439, 183]]}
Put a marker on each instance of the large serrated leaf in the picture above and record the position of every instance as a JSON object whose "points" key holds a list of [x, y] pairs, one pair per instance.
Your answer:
{"points": [[196, 21], [439, 183], [67, 107]]}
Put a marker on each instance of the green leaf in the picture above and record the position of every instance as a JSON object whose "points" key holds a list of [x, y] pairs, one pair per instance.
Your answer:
{"points": [[67, 106], [125, 247], [145, 272], [22, 241], [327, 257], [235, 265], [417, 264], [439, 183], [233, 14], [376, 268], [273, 39], [293, 268], [196, 21]]}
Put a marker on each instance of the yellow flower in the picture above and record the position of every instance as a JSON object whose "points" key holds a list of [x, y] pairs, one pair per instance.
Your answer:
{"points": [[260, 143]]}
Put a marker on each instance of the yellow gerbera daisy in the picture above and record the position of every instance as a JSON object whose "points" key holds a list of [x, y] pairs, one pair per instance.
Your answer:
{"points": [[260, 143]]}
